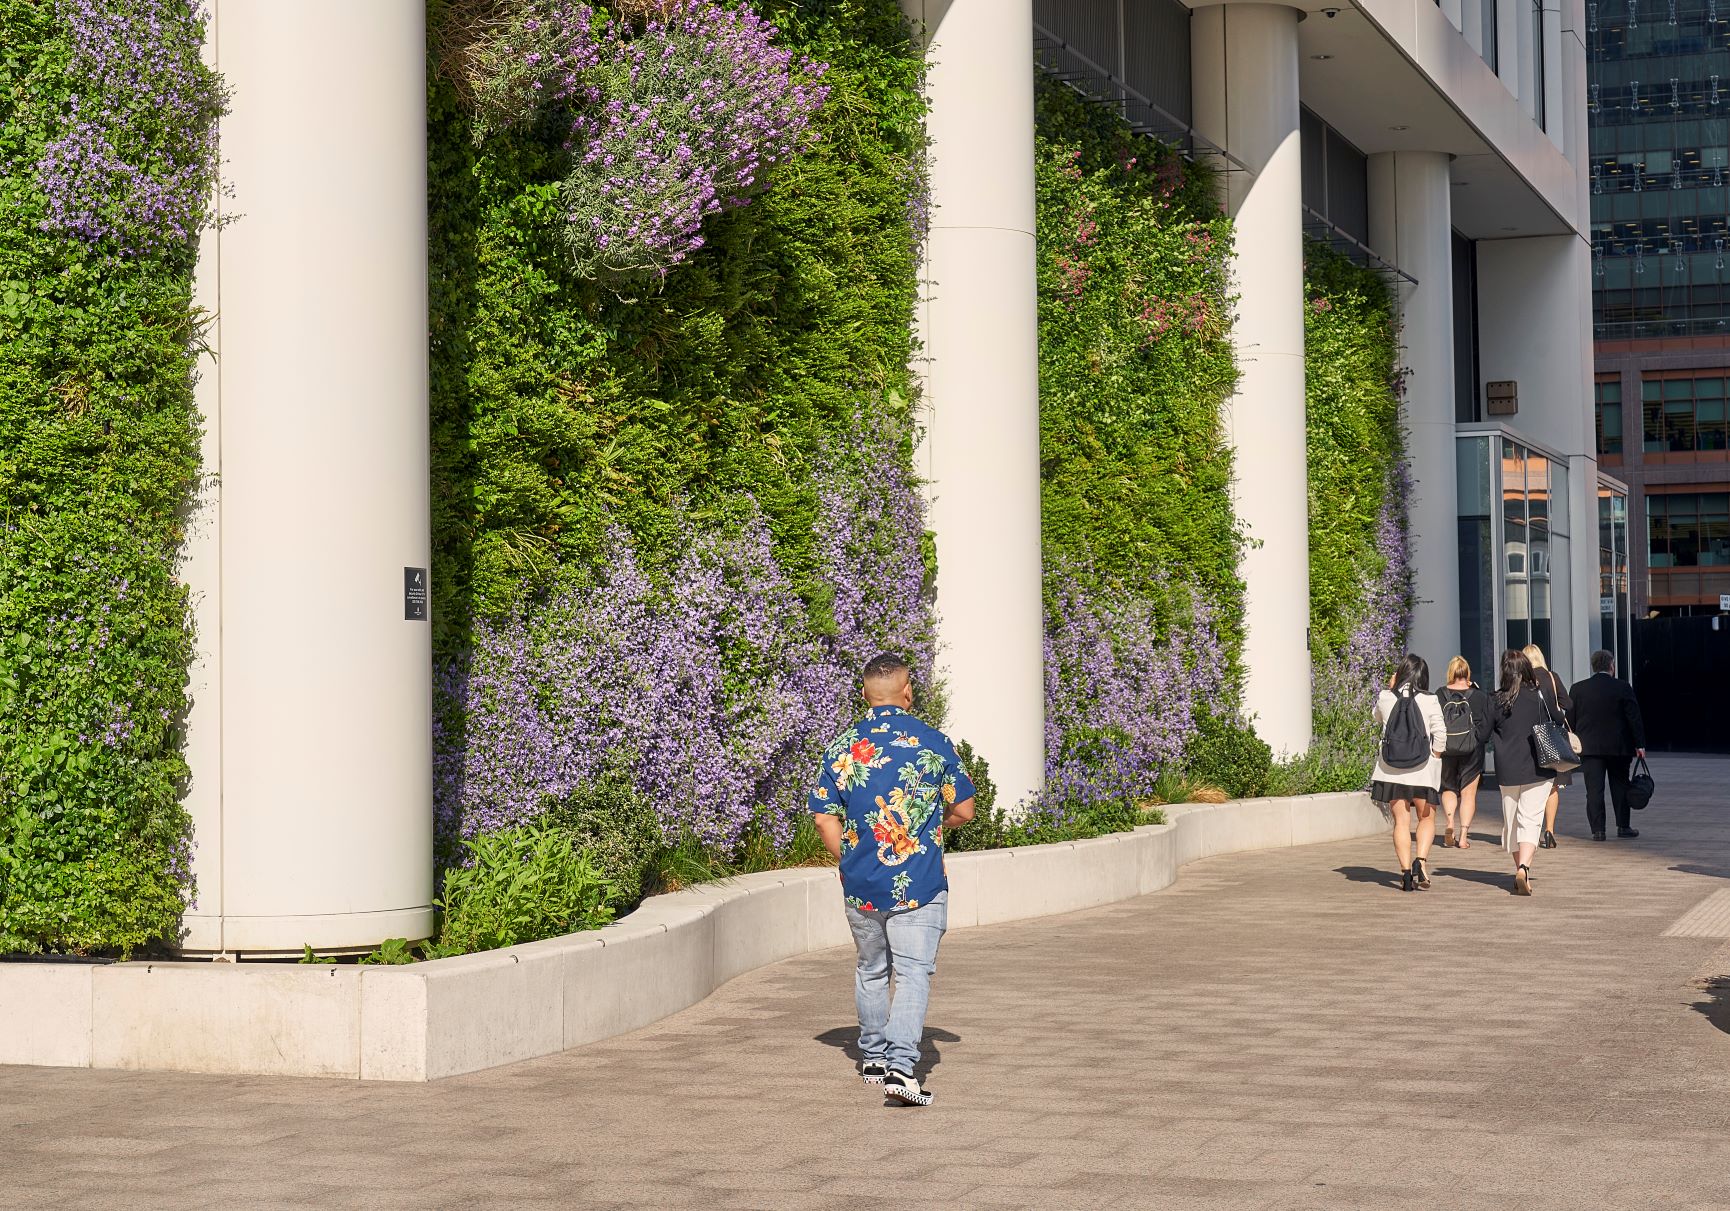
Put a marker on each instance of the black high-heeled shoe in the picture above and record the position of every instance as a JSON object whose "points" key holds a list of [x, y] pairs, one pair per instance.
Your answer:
{"points": [[1406, 879], [1420, 874], [1523, 880]]}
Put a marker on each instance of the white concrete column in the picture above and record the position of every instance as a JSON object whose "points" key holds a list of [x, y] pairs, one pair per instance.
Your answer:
{"points": [[310, 735], [979, 325], [1253, 49], [1411, 226]]}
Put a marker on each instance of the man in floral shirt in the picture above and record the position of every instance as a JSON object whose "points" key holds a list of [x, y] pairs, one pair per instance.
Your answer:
{"points": [[888, 787]]}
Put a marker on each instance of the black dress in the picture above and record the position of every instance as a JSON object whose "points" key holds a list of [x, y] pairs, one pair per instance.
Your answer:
{"points": [[1459, 772]]}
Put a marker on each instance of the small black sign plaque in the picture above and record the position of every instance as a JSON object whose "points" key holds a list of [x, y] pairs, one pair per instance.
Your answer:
{"points": [[414, 604]]}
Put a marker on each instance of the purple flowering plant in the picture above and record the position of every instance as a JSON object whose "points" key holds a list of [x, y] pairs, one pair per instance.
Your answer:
{"points": [[1127, 672], [710, 677], [1361, 586], [134, 167], [671, 119]]}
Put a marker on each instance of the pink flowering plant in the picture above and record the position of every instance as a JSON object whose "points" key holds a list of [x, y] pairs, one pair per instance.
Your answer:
{"points": [[670, 120], [134, 166]]}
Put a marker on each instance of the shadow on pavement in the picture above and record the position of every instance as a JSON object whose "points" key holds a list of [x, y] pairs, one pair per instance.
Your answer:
{"points": [[1369, 874], [1501, 880], [847, 1039], [1716, 1007]]}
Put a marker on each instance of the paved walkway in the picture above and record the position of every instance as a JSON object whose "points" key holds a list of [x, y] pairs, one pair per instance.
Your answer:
{"points": [[1278, 1030]]}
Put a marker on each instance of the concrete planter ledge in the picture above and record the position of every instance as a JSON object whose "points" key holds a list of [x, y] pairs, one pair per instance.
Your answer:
{"points": [[449, 1016]]}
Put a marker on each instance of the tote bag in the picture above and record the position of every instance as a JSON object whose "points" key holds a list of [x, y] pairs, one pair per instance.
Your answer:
{"points": [[1554, 746]]}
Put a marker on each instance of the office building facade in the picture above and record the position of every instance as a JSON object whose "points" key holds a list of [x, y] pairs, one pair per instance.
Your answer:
{"points": [[1659, 112]]}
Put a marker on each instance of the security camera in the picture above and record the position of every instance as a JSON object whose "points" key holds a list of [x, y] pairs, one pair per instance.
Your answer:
{"points": [[1330, 13]]}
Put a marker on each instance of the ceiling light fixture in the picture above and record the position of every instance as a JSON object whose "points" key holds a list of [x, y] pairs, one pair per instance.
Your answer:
{"points": [[1399, 128], [1510, 229], [1319, 58]]}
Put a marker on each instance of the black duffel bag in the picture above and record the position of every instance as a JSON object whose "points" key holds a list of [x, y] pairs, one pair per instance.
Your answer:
{"points": [[1640, 785]]}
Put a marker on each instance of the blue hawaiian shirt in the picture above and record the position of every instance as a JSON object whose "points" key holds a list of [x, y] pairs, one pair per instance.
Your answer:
{"points": [[889, 777]]}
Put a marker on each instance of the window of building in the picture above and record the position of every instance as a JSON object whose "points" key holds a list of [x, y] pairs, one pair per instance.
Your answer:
{"points": [[1688, 530], [1613, 575], [1467, 371], [1336, 179], [1537, 19], [1489, 32], [1608, 402], [1684, 418]]}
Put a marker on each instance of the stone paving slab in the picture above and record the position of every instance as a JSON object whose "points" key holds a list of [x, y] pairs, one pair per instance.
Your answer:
{"points": [[1278, 1030]]}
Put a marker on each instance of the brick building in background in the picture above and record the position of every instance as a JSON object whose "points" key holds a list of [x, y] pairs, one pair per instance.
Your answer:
{"points": [[1659, 113]]}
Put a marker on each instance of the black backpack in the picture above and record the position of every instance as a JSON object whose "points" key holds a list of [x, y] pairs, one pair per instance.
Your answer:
{"points": [[1461, 723], [1405, 736]]}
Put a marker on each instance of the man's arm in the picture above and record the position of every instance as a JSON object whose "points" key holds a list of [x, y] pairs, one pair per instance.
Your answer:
{"points": [[829, 829], [957, 815], [1636, 722]]}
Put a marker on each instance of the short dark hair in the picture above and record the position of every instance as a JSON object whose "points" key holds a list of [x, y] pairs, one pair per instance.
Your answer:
{"points": [[1602, 661], [886, 665]]}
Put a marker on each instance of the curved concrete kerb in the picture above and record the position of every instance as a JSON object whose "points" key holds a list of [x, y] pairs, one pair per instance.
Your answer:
{"points": [[429, 1020]]}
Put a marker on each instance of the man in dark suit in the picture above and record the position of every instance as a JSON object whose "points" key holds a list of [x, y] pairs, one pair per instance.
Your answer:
{"points": [[1606, 718]]}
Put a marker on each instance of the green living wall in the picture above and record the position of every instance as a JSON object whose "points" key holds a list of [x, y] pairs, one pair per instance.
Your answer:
{"points": [[1360, 566], [1143, 603], [107, 143], [672, 514]]}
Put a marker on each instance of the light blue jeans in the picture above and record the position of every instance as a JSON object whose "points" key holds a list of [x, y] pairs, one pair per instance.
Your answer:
{"points": [[906, 940]]}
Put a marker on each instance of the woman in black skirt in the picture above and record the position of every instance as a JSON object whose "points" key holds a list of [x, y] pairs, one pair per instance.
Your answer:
{"points": [[1415, 790], [1463, 705]]}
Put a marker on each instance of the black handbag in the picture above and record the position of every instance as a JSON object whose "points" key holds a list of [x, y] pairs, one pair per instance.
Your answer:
{"points": [[1640, 785], [1553, 745]]}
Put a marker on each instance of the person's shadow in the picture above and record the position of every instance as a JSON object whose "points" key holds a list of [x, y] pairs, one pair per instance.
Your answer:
{"points": [[1501, 880], [847, 1039], [1370, 874], [1716, 1007]]}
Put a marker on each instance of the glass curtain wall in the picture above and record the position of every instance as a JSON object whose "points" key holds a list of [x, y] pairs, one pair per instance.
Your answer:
{"points": [[1514, 551], [1613, 630], [1658, 99], [1477, 558]]}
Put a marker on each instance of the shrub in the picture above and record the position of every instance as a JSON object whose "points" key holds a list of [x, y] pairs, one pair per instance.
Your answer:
{"points": [[107, 164], [669, 123], [756, 408], [615, 826], [1361, 589], [521, 884], [1227, 754], [1142, 602]]}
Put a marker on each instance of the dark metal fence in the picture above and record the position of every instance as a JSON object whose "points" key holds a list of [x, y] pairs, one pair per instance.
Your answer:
{"points": [[1682, 678]]}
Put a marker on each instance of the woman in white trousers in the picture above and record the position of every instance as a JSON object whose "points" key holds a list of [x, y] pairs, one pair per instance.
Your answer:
{"points": [[1525, 787]]}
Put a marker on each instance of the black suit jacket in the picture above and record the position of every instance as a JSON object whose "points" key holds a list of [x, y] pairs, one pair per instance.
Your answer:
{"points": [[1606, 717]]}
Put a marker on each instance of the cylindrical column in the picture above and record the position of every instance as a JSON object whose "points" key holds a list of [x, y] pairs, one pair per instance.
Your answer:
{"points": [[311, 737], [1254, 48], [979, 327], [1411, 226]]}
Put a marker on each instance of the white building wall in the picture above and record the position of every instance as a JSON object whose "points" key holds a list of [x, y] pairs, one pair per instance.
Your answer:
{"points": [[1534, 305]]}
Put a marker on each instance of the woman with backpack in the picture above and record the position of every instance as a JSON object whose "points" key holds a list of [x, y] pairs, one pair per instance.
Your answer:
{"points": [[1409, 765], [1525, 787], [1550, 686], [1466, 712]]}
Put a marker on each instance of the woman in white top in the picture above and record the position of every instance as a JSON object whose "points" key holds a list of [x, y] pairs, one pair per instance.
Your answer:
{"points": [[1415, 788]]}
